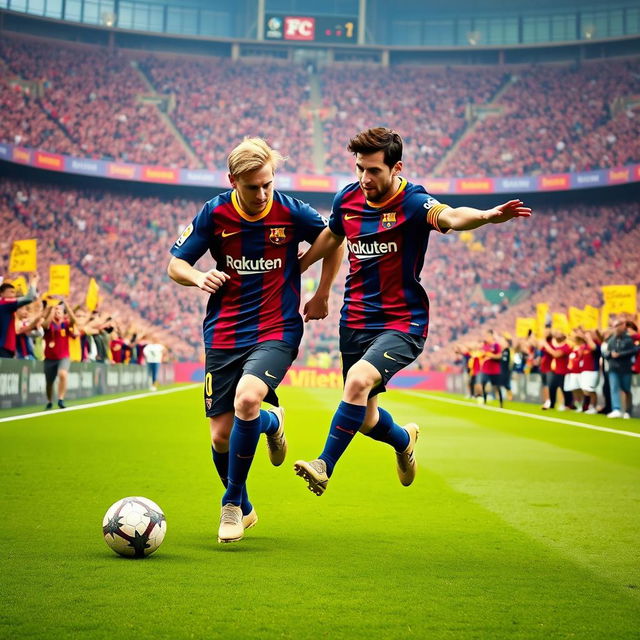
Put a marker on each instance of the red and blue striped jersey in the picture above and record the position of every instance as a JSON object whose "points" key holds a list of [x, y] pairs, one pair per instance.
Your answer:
{"points": [[261, 299], [387, 242], [8, 308]]}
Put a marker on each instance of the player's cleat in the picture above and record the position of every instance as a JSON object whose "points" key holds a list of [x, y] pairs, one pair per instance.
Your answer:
{"points": [[231, 527], [277, 443], [61, 404], [49, 406], [250, 520], [315, 473], [406, 460]]}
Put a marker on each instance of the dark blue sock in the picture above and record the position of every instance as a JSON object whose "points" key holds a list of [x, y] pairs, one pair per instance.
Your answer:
{"points": [[242, 447], [221, 460], [345, 424], [268, 422], [386, 430]]}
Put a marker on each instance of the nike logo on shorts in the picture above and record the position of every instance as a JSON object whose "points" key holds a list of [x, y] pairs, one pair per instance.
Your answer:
{"points": [[388, 357], [226, 234], [266, 373]]}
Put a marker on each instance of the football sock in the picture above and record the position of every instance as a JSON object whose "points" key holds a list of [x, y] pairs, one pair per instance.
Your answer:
{"points": [[242, 447], [221, 461], [386, 430], [268, 422], [345, 424]]}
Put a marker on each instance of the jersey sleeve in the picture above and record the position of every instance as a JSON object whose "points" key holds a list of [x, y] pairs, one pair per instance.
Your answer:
{"points": [[433, 209], [336, 225], [196, 237], [310, 223]]}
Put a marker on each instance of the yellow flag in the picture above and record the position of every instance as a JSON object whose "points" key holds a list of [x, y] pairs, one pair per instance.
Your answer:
{"points": [[576, 318], [621, 298], [559, 321], [92, 295], [542, 309], [23, 256], [20, 283], [590, 317], [524, 325], [59, 279]]}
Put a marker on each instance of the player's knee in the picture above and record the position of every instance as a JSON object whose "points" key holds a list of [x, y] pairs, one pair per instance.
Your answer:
{"points": [[359, 383], [220, 442], [247, 401]]}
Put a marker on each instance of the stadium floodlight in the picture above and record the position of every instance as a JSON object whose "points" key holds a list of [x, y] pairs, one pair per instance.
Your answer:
{"points": [[108, 18], [474, 37]]}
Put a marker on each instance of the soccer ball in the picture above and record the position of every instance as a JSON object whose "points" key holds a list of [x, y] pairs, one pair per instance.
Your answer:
{"points": [[134, 527]]}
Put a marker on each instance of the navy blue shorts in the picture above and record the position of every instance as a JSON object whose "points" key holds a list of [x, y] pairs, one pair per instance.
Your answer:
{"points": [[389, 351], [268, 361]]}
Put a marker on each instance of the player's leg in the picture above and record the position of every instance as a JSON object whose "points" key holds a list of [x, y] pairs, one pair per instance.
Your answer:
{"points": [[495, 387], [379, 425], [220, 427]]}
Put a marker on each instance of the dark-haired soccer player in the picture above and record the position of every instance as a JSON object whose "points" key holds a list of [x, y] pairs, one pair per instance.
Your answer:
{"points": [[385, 317], [252, 328]]}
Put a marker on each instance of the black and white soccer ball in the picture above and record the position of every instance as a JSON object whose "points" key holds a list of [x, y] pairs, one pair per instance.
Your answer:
{"points": [[134, 527]]}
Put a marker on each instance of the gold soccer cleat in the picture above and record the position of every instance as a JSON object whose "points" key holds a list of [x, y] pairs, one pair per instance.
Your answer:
{"points": [[231, 527], [406, 460], [277, 442], [315, 473]]}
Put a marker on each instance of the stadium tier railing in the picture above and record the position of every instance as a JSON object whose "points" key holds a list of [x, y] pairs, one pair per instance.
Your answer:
{"points": [[152, 174]]}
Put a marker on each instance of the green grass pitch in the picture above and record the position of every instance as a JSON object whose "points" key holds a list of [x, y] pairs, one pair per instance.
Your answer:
{"points": [[514, 528]]}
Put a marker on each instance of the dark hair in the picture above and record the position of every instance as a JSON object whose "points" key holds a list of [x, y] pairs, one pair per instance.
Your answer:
{"points": [[632, 325], [6, 285], [378, 139]]}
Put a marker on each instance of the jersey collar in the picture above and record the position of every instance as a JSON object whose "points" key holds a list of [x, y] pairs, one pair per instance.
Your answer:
{"points": [[380, 205], [246, 216]]}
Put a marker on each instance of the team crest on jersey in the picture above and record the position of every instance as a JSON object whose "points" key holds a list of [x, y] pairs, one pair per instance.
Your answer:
{"points": [[209, 403], [277, 235], [389, 219]]}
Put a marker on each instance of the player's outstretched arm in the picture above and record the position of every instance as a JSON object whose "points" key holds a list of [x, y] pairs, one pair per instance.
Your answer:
{"points": [[467, 218], [183, 273], [325, 244], [317, 307]]}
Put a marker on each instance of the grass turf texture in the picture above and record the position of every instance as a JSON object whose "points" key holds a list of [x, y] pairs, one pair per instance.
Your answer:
{"points": [[514, 528]]}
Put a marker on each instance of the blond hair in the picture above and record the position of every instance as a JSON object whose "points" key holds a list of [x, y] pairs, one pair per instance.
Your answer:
{"points": [[252, 154]]}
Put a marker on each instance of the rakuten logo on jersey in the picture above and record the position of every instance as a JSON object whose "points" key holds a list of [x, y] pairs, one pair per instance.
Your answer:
{"points": [[245, 267], [299, 28], [367, 250]]}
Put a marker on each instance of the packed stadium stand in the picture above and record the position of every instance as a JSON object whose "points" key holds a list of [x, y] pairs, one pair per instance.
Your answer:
{"points": [[186, 111], [456, 122]]}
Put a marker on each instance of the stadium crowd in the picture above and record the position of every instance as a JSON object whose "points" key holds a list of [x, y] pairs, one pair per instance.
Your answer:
{"points": [[85, 101]]}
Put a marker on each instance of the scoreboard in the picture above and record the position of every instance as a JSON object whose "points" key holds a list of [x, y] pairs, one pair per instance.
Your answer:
{"points": [[311, 28]]}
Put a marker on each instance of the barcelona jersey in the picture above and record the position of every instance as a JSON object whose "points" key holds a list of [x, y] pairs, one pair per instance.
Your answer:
{"points": [[387, 242], [260, 301]]}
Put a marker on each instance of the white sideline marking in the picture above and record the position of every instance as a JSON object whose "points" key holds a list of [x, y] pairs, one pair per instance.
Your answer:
{"points": [[91, 405], [582, 425]]}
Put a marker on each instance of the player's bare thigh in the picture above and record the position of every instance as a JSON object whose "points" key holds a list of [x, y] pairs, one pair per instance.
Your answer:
{"points": [[361, 378]]}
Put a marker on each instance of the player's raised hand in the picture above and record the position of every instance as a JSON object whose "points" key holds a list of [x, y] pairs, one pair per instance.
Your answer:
{"points": [[316, 308], [210, 281], [508, 211]]}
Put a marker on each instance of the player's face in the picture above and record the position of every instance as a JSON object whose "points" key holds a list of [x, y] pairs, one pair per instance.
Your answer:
{"points": [[377, 180], [58, 313], [254, 189], [9, 293]]}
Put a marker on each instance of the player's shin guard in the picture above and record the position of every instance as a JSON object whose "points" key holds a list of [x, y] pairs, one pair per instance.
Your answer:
{"points": [[242, 447], [221, 462], [386, 430], [345, 424]]}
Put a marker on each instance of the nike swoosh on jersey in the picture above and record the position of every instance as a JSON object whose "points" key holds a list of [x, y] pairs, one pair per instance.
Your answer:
{"points": [[348, 217], [388, 357], [266, 373], [226, 234]]}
